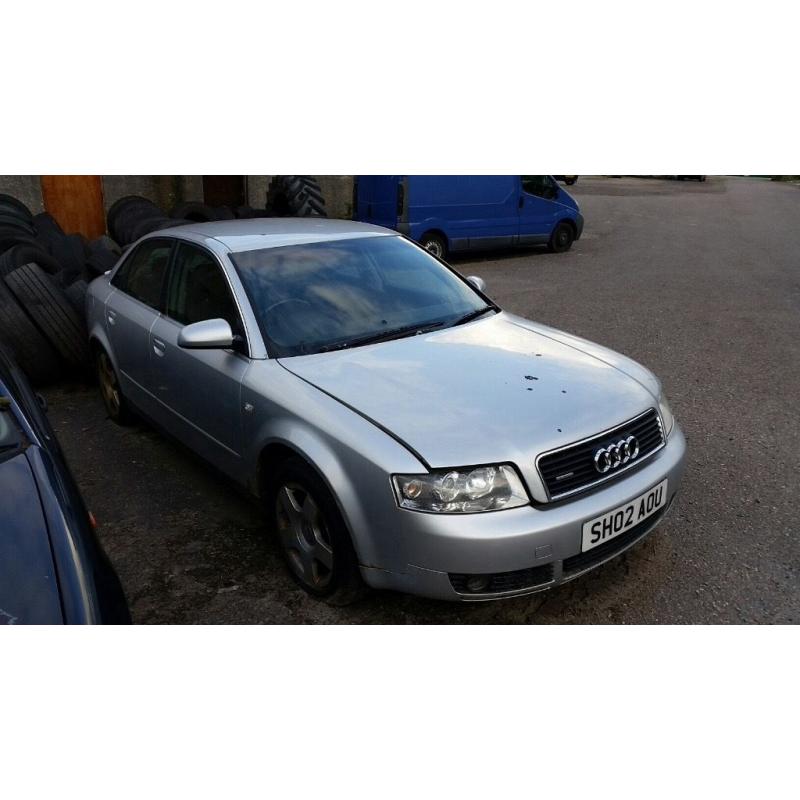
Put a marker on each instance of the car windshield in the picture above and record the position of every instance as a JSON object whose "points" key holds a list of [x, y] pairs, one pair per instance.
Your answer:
{"points": [[310, 298]]}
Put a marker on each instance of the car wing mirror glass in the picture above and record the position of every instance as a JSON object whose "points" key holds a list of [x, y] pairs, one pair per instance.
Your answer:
{"points": [[210, 334]]}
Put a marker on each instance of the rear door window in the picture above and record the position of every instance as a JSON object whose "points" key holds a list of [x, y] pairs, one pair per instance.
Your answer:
{"points": [[142, 275]]}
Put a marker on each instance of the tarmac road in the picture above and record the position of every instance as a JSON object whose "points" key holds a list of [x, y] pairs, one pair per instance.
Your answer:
{"points": [[701, 282]]}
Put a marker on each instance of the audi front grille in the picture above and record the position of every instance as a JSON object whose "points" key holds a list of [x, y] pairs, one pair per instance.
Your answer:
{"points": [[579, 466]]}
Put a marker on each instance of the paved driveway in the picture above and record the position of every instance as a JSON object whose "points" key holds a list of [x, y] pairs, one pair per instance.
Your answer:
{"points": [[701, 282]]}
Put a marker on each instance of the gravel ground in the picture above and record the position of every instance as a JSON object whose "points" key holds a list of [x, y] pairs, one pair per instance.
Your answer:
{"points": [[701, 282]]}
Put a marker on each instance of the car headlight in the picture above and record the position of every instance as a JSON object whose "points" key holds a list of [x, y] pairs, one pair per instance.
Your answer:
{"points": [[462, 491], [666, 414]]}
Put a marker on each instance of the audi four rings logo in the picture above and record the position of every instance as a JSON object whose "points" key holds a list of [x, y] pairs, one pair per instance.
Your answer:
{"points": [[615, 455]]}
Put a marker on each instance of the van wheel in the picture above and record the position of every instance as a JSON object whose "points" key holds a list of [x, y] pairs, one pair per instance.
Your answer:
{"points": [[434, 243], [313, 537], [561, 239]]}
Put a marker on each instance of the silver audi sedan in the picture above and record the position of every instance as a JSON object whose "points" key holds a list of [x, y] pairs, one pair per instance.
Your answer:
{"points": [[401, 430]]}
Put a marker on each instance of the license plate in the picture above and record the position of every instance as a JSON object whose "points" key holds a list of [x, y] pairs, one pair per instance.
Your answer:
{"points": [[615, 522]]}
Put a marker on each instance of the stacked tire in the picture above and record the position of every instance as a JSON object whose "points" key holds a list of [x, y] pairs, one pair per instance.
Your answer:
{"points": [[44, 274], [132, 217]]}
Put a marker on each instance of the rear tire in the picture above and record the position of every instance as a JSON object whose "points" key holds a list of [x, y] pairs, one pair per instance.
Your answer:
{"points": [[117, 407], [312, 534], [562, 238], [434, 244]]}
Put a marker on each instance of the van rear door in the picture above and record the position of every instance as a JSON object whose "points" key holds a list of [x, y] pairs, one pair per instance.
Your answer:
{"points": [[377, 199], [538, 210]]}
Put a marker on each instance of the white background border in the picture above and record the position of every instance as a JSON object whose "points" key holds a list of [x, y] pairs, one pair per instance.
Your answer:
{"points": [[356, 88]]}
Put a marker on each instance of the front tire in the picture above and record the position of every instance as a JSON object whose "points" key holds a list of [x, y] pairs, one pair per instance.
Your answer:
{"points": [[312, 534], [435, 244], [562, 238]]}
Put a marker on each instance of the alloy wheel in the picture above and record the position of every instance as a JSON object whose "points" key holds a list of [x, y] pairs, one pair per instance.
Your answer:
{"points": [[109, 386], [304, 535], [434, 247]]}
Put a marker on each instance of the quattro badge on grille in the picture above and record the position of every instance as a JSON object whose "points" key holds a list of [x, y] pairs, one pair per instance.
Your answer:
{"points": [[615, 455]]}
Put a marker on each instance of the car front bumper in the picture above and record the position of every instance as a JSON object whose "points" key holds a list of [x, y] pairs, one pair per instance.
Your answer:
{"points": [[542, 541], [578, 226]]}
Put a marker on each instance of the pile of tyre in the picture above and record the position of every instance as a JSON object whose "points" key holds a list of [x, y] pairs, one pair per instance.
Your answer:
{"points": [[44, 274], [133, 216]]}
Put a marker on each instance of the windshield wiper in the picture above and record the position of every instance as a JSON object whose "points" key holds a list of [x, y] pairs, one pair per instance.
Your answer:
{"points": [[473, 315], [383, 336]]}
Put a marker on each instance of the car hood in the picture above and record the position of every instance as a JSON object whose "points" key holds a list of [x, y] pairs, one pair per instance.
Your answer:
{"points": [[500, 389], [28, 587]]}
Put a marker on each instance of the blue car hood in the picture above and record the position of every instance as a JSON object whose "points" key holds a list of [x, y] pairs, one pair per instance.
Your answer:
{"points": [[28, 586]]}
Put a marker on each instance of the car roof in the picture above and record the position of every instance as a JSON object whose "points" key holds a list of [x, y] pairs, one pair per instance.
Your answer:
{"points": [[240, 235]]}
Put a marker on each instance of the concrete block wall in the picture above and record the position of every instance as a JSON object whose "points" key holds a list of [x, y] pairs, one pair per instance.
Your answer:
{"points": [[164, 190], [24, 187], [167, 190]]}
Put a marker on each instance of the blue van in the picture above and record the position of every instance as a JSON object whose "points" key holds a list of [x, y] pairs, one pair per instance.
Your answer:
{"points": [[454, 213]]}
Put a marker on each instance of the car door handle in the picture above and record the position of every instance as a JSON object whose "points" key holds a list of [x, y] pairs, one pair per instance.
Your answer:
{"points": [[111, 316], [159, 348]]}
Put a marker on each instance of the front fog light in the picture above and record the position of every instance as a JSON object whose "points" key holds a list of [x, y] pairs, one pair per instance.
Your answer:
{"points": [[462, 491], [477, 583]]}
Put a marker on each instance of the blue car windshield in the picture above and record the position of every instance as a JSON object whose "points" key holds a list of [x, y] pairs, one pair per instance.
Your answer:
{"points": [[311, 298]]}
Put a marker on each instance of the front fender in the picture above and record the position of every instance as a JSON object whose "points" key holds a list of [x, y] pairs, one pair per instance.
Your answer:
{"points": [[352, 455]]}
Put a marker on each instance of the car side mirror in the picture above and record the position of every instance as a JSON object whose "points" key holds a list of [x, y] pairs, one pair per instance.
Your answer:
{"points": [[478, 283], [210, 334]]}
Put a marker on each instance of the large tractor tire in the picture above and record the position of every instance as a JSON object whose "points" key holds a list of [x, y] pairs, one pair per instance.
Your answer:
{"points": [[295, 196]]}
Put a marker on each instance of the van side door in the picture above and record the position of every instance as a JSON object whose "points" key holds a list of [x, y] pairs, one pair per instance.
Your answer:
{"points": [[538, 211]]}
